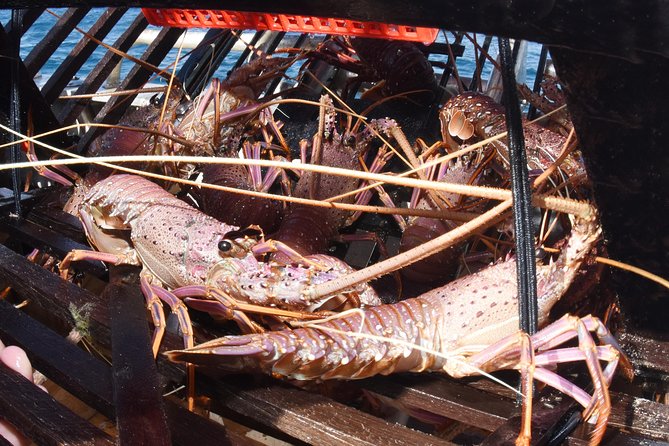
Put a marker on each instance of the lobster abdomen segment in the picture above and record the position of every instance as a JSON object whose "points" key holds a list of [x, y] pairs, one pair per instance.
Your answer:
{"points": [[328, 350]]}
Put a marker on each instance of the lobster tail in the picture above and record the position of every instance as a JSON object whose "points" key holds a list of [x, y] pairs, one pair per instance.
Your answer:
{"points": [[346, 347]]}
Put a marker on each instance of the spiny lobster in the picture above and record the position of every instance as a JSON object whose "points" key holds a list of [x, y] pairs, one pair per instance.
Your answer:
{"points": [[462, 328], [132, 220]]}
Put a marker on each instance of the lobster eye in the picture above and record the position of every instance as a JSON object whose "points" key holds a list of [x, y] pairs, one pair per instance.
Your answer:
{"points": [[224, 245], [156, 100]]}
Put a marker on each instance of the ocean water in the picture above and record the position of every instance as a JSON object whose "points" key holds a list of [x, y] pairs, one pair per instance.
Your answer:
{"points": [[466, 64]]}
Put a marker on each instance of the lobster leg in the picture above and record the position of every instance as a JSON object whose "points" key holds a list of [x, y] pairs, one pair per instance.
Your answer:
{"points": [[527, 389], [153, 295], [77, 255], [505, 354], [29, 149], [217, 303]]}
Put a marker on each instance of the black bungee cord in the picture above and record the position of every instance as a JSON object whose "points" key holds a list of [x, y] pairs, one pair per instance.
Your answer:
{"points": [[520, 186]]}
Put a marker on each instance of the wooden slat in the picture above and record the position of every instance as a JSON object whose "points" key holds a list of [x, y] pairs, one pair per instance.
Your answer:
{"points": [[29, 17], [188, 428], [40, 417], [90, 379], [618, 439], [51, 294], [140, 415], [444, 397], [647, 354], [7, 201], [640, 416], [94, 80], [51, 41], [42, 238], [93, 387], [308, 417], [55, 219], [112, 111], [80, 54]]}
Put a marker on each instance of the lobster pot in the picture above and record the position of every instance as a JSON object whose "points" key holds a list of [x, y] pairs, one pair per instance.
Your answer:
{"points": [[72, 72]]}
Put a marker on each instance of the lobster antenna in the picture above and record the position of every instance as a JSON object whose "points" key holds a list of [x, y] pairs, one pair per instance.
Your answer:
{"points": [[443, 158], [548, 202], [171, 81], [107, 161], [115, 93], [361, 118]]}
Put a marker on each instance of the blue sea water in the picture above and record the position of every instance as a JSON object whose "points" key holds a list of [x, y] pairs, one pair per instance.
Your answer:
{"points": [[43, 25]]}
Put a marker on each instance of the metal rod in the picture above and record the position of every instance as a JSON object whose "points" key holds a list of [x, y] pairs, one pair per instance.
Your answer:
{"points": [[520, 187], [15, 104]]}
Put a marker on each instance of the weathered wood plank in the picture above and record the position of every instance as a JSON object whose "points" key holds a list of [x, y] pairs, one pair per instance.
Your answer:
{"points": [[308, 417], [640, 416], [645, 352], [444, 397], [40, 417], [53, 295], [140, 414], [55, 219], [43, 238], [65, 363]]}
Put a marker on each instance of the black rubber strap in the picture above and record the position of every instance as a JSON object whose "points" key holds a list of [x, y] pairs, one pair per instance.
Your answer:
{"points": [[15, 104], [541, 67], [520, 185]]}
